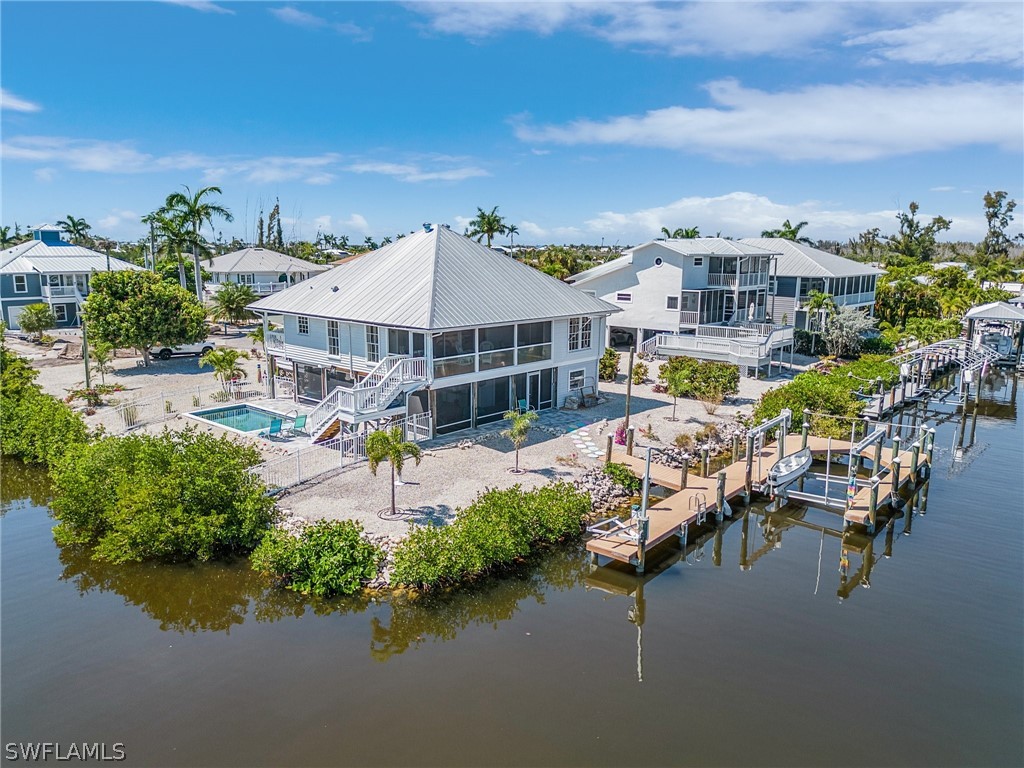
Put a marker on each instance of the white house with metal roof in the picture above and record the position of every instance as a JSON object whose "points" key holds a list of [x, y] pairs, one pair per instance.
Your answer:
{"points": [[705, 297], [48, 270], [262, 269], [801, 269], [434, 322]]}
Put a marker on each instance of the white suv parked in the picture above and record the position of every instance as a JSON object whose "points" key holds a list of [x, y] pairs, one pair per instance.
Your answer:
{"points": [[201, 348]]}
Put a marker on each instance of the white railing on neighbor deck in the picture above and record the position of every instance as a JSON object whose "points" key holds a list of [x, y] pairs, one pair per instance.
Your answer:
{"points": [[688, 317], [274, 339], [334, 454], [167, 404], [743, 280], [54, 291], [750, 349]]}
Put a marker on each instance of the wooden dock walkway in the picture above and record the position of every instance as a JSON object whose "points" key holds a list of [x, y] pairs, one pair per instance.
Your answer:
{"points": [[674, 515]]}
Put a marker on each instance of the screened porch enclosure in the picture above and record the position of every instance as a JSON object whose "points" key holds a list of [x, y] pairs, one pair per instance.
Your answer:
{"points": [[720, 305], [483, 402]]}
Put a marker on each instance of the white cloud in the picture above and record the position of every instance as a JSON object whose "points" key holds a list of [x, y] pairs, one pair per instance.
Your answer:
{"points": [[986, 33], [413, 173], [295, 17], [355, 222], [535, 233], [45, 175], [679, 29], [323, 223], [836, 123], [942, 189], [117, 217], [15, 103], [203, 6]]}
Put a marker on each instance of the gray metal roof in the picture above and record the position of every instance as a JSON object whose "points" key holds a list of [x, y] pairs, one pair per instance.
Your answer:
{"points": [[47, 258], [997, 310], [799, 260], [261, 260], [434, 280]]}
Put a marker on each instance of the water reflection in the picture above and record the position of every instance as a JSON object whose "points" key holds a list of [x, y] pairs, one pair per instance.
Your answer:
{"points": [[23, 484], [417, 619]]}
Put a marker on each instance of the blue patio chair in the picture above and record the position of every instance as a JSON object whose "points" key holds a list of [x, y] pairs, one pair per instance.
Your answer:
{"points": [[524, 406], [274, 429], [298, 426]]}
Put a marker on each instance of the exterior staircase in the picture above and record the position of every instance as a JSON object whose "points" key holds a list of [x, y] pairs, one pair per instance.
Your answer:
{"points": [[374, 394]]}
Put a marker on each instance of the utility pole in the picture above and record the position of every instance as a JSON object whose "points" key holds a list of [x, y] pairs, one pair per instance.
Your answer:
{"points": [[152, 246]]}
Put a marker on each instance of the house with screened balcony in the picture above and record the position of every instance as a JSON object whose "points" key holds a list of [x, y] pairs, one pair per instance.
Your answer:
{"points": [[705, 297], [432, 324]]}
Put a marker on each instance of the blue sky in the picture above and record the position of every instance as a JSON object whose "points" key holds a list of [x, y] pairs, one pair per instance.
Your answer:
{"points": [[583, 122]]}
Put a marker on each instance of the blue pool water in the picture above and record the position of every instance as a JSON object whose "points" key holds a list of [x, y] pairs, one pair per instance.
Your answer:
{"points": [[244, 418]]}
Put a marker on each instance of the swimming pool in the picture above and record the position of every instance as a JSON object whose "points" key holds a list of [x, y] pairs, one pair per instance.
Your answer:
{"points": [[241, 418]]}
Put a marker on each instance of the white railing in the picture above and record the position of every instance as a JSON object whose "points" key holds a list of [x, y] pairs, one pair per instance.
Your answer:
{"points": [[750, 349], [687, 317], [649, 348], [264, 289], [283, 387], [743, 280], [373, 393], [167, 404], [334, 454], [52, 291], [274, 339]]}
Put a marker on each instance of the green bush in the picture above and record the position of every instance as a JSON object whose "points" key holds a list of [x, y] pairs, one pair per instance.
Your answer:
{"points": [[700, 378], [639, 373], [802, 341], [497, 529], [608, 365], [34, 426], [170, 496], [623, 475], [328, 558], [877, 345]]}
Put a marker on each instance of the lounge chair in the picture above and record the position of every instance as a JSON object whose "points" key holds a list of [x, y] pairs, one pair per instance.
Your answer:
{"points": [[298, 426], [524, 406], [273, 429]]}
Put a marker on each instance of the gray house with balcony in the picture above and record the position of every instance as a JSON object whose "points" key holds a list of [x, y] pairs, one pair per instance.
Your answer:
{"points": [[48, 270], [434, 323], [801, 270], [705, 297], [263, 270]]}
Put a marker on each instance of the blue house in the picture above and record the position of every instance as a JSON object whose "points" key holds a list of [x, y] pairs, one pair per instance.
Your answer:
{"points": [[49, 270]]}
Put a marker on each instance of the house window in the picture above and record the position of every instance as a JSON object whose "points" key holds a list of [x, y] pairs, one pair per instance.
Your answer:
{"points": [[20, 284], [372, 344], [246, 280], [773, 285], [576, 379], [624, 298], [60, 312], [658, 261], [304, 325], [333, 337], [580, 329], [533, 342], [672, 302], [698, 261]]}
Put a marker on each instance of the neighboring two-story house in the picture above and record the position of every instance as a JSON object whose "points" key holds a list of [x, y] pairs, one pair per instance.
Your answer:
{"points": [[262, 269], [50, 271], [434, 322], [705, 297], [801, 269]]}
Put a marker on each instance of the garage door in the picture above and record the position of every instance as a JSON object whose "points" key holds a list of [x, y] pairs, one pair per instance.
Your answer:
{"points": [[12, 318]]}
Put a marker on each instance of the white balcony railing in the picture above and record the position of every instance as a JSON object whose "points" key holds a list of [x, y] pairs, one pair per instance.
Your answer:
{"points": [[58, 291], [687, 317], [732, 280], [274, 339]]}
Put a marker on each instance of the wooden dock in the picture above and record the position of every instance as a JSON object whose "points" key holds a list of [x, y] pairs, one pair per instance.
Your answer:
{"points": [[687, 507]]}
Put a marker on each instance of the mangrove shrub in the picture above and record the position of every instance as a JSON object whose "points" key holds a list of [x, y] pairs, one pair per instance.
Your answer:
{"points": [[173, 496], [497, 529], [328, 558], [700, 379]]}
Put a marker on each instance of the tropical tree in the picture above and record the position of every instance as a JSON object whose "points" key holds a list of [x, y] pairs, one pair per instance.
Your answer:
{"points": [[102, 356], [915, 242], [681, 234], [998, 215], [194, 211], [137, 309], [231, 302], [225, 365], [36, 318], [391, 446], [6, 239], [519, 424], [486, 225], [174, 238], [76, 229], [844, 331], [789, 232], [511, 230], [819, 305], [677, 384]]}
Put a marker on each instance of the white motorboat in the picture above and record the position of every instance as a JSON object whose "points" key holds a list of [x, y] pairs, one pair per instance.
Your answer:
{"points": [[791, 467]]}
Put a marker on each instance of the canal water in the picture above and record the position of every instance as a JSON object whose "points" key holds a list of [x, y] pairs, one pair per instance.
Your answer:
{"points": [[703, 662]]}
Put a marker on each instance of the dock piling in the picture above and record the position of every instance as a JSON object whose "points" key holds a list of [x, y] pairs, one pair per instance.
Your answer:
{"points": [[684, 471], [748, 479], [736, 447], [873, 502], [895, 447], [720, 500], [915, 456], [705, 462], [805, 428], [895, 501], [608, 449], [629, 441]]}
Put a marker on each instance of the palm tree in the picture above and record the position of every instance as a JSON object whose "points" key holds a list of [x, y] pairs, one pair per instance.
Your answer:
{"points": [[174, 237], [6, 241], [391, 446], [511, 230], [231, 301], [789, 232], [194, 211], [820, 304], [225, 365], [76, 229], [486, 225], [519, 423], [37, 318], [681, 234], [370, 244]]}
